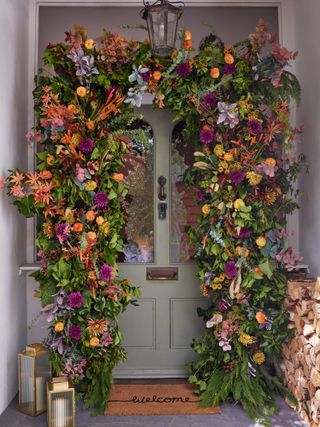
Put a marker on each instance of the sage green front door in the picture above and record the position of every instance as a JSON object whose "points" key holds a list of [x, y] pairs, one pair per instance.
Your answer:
{"points": [[158, 333]]}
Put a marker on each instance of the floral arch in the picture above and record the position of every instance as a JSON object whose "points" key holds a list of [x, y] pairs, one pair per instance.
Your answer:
{"points": [[235, 103]]}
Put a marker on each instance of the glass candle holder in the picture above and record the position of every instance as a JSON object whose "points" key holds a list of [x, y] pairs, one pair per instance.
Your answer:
{"points": [[61, 403]]}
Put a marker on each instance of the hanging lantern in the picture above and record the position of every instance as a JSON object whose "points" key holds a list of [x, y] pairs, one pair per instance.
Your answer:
{"points": [[34, 372], [162, 20], [61, 402]]}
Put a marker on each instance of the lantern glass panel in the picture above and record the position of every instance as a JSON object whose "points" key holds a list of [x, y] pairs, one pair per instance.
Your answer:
{"points": [[27, 389], [61, 409]]}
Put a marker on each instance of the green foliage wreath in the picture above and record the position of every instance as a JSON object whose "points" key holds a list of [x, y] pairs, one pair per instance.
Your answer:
{"points": [[235, 106]]}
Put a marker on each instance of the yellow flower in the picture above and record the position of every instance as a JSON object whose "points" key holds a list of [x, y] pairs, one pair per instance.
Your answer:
{"points": [[106, 228], [73, 108], [92, 275], [89, 43], [90, 185], [100, 220], [223, 165], [59, 326], [50, 159], [215, 286], [94, 342], [259, 357], [253, 178], [228, 157], [238, 204], [261, 242], [48, 229], [81, 91], [205, 210], [87, 343], [75, 139], [246, 339]]}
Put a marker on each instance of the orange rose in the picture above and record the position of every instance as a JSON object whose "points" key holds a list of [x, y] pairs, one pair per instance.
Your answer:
{"points": [[156, 75], [228, 58], [270, 162], [90, 124], [59, 326], [100, 220], [206, 127], [261, 317], [81, 91], [45, 174], [90, 215], [214, 72], [118, 177], [77, 227], [239, 251], [94, 342]]}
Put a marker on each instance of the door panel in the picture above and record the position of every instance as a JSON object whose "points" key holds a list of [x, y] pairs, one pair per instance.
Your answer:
{"points": [[158, 333]]}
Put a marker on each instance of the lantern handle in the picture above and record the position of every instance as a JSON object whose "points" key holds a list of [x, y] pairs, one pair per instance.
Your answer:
{"points": [[147, 5]]}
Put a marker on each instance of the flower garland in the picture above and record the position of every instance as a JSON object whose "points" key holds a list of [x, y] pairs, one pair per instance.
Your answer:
{"points": [[235, 106]]}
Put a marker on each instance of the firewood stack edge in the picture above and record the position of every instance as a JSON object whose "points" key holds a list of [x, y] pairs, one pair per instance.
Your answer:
{"points": [[302, 355]]}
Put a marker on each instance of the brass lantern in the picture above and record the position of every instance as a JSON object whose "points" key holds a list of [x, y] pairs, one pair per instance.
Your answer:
{"points": [[61, 402], [162, 20], [34, 372]]}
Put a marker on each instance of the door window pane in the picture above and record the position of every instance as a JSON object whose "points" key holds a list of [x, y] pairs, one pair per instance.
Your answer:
{"points": [[138, 232], [184, 210]]}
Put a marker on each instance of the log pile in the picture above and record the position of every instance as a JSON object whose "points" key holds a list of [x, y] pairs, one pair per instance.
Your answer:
{"points": [[302, 355]]}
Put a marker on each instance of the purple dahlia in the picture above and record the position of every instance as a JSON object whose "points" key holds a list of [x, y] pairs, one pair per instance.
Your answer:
{"points": [[206, 136], [75, 299], [229, 69], [75, 332], [62, 232], [86, 145], [184, 69], [254, 127], [230, 269], [237, 176], [105, 272], [100, 200], [245, 233], [210, 100]]}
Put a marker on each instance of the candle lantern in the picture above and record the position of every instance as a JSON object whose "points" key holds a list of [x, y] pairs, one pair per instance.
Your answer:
{"points": [[162, 20], [34, 372], [61, 402]]}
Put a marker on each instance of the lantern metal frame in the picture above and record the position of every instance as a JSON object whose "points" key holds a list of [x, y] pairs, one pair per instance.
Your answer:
{"points": [[162, 6], [56, 386], [32, 351]]}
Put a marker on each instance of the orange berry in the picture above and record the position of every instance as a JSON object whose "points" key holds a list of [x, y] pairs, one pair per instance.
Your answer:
{"points": [[214, 72]]}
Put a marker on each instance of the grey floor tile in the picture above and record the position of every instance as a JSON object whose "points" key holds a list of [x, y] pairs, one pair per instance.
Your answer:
{"points": [[231, 416]]}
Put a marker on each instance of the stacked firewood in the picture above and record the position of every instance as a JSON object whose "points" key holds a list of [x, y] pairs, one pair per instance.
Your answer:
{"points": [[302, 354]]}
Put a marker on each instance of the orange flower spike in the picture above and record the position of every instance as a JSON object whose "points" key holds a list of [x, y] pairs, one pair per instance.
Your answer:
{"points": [[204, 242]]}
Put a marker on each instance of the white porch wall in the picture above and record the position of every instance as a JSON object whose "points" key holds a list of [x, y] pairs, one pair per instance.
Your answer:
{"points": [[13, 119], [307, 42]]}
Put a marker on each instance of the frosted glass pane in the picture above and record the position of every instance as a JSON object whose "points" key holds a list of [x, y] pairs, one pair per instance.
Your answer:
{"points": [[138, 232], [184, 209]]}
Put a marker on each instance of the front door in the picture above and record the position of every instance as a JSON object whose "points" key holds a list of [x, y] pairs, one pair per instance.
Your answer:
{"points": [[158, 333]]}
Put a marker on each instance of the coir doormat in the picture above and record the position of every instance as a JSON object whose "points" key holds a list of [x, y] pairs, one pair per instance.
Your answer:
{"points": [[155, 399]]}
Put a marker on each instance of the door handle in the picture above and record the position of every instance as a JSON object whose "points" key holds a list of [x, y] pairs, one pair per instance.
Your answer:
{"points": [[162, 196], [162, 192]]}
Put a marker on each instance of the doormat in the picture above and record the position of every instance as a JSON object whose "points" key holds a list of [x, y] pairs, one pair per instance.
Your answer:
{"points": [[155, 399]]}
